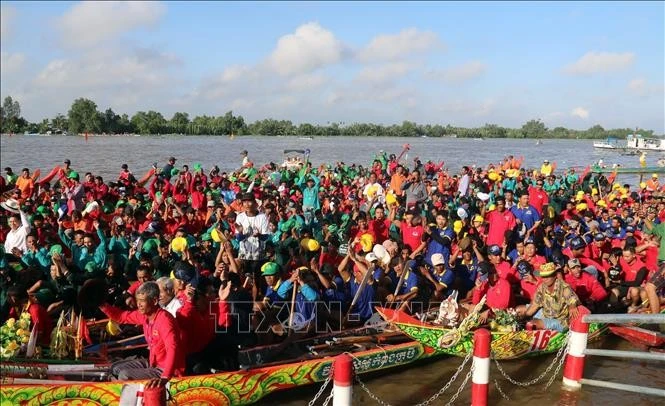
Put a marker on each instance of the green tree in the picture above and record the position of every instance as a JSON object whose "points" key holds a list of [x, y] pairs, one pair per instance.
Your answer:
{"points": [[84, 117], [110, 122], [179, 122], [44, 126], [10, 116], [59, 123], [534, 129]]}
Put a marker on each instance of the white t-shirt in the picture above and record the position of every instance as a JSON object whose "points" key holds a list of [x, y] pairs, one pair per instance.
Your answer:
{"points": [[252, 247], [16, 238], [173, 306]]}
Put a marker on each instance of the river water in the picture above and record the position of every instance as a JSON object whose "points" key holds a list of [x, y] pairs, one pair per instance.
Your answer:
{"points": [[104, 155]]}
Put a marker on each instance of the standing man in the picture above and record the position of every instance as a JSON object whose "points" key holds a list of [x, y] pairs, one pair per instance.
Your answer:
{"points": [[167, 357], [168, 168], [252, 232]]}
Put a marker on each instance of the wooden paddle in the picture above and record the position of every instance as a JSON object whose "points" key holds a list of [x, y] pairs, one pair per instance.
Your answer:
{"points": [[293, 306]]}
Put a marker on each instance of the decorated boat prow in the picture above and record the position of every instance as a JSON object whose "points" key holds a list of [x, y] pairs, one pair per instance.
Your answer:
{"points": [[505, 344]]}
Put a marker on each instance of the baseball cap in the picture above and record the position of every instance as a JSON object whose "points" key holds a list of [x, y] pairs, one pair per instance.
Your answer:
{"points": [[524, 268], [269, 268], [67, 161], [437, 259], [371, 257], [247, 196], [599, 237], [494, 250], [573, 263], [577, 243]]}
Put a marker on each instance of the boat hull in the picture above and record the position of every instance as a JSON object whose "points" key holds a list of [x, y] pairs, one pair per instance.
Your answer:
{"points": [[228, 388], [504, 345]]}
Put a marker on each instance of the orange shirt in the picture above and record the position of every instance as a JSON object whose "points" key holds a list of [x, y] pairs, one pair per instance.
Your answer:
{"points": [[26, 186], [396, 182]]}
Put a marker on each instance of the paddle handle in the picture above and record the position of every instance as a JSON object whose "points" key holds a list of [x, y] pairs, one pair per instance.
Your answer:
{"points": [[293, 306]]}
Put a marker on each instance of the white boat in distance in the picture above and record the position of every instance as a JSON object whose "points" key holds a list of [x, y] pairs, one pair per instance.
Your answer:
{"points": [[635, 142]]}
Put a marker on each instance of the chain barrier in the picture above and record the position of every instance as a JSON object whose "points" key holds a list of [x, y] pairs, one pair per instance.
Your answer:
{"points": [[503, 395], [558, 359], [323, 387], [436, 395]]}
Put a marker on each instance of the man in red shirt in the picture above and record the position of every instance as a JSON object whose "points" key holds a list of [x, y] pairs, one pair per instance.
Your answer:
{"points": [[586, 287], [380, 225], [634, 272], [412, 231], [538, 197], [498, 290], [500, 221], [167, 358]]}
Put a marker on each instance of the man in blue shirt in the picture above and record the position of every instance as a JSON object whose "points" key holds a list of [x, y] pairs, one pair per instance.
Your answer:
{"points": [[525, 213]]}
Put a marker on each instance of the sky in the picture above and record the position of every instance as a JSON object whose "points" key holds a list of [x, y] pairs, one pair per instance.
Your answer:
{"points": [[466, 64]]}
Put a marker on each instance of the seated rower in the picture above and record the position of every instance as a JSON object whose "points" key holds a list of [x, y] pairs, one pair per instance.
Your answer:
{"points": [[586, 287], [497, 290], [554, 302]]}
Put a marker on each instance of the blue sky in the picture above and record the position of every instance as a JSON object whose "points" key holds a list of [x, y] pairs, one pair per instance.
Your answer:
{"points": [[572, 64]]}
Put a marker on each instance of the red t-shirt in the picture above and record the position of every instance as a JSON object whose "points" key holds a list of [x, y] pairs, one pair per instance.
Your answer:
{"points": [[380, 229], [499, 222], [499, 296], [412, 235]]}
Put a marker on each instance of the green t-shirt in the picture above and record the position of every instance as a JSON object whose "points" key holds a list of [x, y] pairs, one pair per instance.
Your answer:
{"points": [[659, 230]]}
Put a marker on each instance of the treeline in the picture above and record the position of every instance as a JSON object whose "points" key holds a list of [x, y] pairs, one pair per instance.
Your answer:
{"points": [[83, 117]]}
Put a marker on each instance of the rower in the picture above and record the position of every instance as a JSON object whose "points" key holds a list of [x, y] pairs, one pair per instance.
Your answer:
{"points": [[554, 302]]}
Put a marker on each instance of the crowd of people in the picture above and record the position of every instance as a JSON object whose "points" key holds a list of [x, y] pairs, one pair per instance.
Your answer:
{"points": [[209, 261]]}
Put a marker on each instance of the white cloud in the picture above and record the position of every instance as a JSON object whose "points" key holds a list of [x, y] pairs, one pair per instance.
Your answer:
{"points": [[308, 48], [458, 74], [396, 46], [90, 23], [641, 87], [11, 63], [306, 82], [580, 112], [466, 107], [7, 15], [600, 62], [384, 73]]}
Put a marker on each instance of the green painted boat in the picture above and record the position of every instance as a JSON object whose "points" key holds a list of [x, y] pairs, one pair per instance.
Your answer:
{"points": [[504, 346]]}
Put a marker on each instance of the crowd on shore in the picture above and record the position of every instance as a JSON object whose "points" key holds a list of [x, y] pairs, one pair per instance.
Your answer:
{"points": [[206, 261]]}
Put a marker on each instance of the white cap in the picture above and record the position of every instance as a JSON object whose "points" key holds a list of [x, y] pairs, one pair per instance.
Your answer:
{"points": [[462, 213], [371, 257], [437, 259]]}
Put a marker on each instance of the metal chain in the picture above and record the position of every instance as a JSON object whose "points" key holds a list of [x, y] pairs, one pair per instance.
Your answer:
{"points": [[330, 397], [461, 387], [436, 395], [503, 395], [450, 382], [323, 387], [558, 368], [557, 359]]}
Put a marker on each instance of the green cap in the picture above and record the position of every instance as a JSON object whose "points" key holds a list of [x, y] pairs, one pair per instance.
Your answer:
{"points": [[269, 268], [206, 237], [42, 209], [175, 172], [73, 175], [197, 167], [91, 267], [55, 249]]}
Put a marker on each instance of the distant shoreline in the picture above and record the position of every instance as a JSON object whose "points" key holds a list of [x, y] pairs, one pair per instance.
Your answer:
{"points": [[309, 137]]}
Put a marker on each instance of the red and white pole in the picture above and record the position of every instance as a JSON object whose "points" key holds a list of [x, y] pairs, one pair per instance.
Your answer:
{"points": [[342, 380], [481, 367], [573, 370]]}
